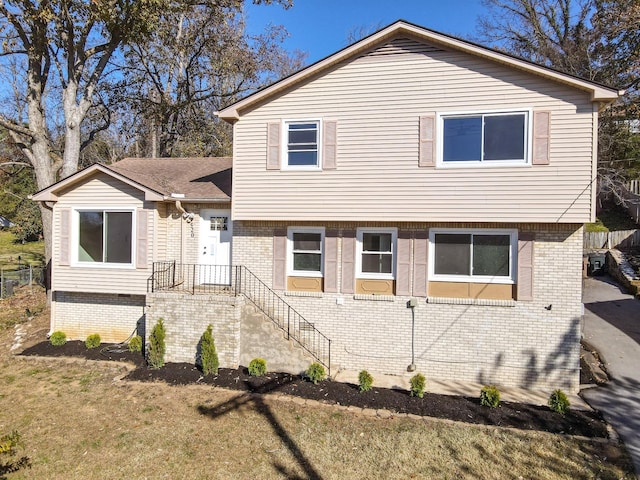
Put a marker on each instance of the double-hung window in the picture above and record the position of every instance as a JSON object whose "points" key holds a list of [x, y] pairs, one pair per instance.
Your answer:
{"points": [[485, 138], [376, 253], [485, 256], [305, 251], [301, 144], [105, 236]]}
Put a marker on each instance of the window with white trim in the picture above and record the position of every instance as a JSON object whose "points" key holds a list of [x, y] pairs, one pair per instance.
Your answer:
{"points": [[105, 236], [301, 144], [484, 256], [376, 251], [498, 138], [305, 251]]}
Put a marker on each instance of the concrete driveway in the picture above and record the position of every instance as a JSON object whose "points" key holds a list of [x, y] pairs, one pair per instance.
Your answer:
{"points": [[612, 326]]}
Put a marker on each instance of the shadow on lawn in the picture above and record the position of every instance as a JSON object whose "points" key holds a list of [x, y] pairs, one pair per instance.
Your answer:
{"points": [[257, 400]]}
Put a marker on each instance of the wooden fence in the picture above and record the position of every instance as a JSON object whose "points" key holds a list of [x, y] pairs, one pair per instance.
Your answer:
{"points": [[621, 239]]}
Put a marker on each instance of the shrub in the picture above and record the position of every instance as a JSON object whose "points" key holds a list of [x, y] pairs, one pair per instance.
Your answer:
{"points": [[365, 381], [257, 367], [558, 402], [315, 372], [157, 346], [417, 383], [92, 341], [9, 444], [135, 344], [489, 396], [208, 355], [58, 338]]}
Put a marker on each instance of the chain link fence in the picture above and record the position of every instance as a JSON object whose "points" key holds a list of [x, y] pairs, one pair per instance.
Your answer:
{"points": [[12, 279]]}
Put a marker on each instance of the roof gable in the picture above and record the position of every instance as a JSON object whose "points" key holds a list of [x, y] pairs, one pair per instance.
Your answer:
{"points": [[404, 37]]}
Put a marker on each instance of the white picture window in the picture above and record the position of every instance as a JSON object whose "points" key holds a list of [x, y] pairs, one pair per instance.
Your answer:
{"points": [[105, 236], [305, 251], [498, 138], [376, 253], [485, 256], [301, 143]]}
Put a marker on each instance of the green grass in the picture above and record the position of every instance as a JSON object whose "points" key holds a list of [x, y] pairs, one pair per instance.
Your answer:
{"points": [[13, 255], [612, 219]]}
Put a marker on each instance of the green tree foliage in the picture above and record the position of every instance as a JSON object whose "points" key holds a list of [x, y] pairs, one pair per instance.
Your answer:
{"points": [[157, 346], [208, 355]]}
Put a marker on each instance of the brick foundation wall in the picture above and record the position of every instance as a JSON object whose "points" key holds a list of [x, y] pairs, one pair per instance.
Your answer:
{"points": [[510, 343], [112, 316], [186, 317]]}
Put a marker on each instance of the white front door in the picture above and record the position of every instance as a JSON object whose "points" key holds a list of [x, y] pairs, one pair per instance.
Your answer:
{"points": [[215, 247]]}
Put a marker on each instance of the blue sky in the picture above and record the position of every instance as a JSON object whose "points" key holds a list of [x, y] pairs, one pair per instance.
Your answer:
{"points": [[321, 27]]}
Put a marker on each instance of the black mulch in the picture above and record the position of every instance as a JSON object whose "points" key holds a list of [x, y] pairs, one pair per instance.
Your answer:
{"points": [[462, 409]]}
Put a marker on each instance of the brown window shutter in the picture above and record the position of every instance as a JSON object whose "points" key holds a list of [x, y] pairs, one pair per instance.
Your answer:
{"points": [[420, 251], [427, 141], [273, 146], [541, 138], [348, 261], [65, 237], [142, 238], [329, 145], [280, 259], [331, 261], [403, 263], [525, 266]]}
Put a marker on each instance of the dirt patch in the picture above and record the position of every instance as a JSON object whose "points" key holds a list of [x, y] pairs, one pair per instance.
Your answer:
{"points": [[461, 409]]}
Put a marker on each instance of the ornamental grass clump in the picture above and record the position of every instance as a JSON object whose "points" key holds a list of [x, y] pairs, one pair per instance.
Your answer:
{"points": [[417, 383], [157, 346], [92, 341], [489, 396], [365, 381], [58, 338], [257, 367], [315, 372], [208, 355], [558, 402]]}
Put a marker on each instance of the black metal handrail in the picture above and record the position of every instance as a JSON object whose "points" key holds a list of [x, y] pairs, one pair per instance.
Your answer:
{"points": [[239, 280]]}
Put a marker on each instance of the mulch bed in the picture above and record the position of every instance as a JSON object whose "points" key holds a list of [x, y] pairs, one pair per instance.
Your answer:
{"points": [[461, 409]]}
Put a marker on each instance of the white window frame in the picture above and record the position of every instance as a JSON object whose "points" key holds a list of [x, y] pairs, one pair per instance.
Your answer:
{"points": [[441, 116], [513, 256], [290, 251], [359, 252], [285, 145], [75, 233]]}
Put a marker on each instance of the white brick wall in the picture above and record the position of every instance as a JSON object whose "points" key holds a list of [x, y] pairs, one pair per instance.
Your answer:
{"points": [[524, 345], [112, 316]]}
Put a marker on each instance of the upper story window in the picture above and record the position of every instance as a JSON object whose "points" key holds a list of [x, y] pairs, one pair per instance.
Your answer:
{"points": [[376, 252], [302, 140], [485, 138], [305, 251], [473, 255], [105, 236]]}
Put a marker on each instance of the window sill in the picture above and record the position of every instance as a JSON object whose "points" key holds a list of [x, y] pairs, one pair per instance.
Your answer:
{"points": [[471, 301], [375, 298], [293, 293]]}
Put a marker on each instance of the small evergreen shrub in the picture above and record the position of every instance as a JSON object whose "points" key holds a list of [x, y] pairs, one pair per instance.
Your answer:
{"points": [[365, 381], [92, 341], [257, 367], [558, 402], [489, 396], [135, 344], [208, 354], [417, 383], [315, 372], [58, 338], [157, 346]]}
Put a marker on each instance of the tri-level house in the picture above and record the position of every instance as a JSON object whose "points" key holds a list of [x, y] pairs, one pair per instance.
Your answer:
{"points": [[411, 202]]}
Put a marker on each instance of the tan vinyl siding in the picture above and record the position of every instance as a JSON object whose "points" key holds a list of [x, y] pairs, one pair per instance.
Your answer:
{"points": [[377, 102], [101, 191]]}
